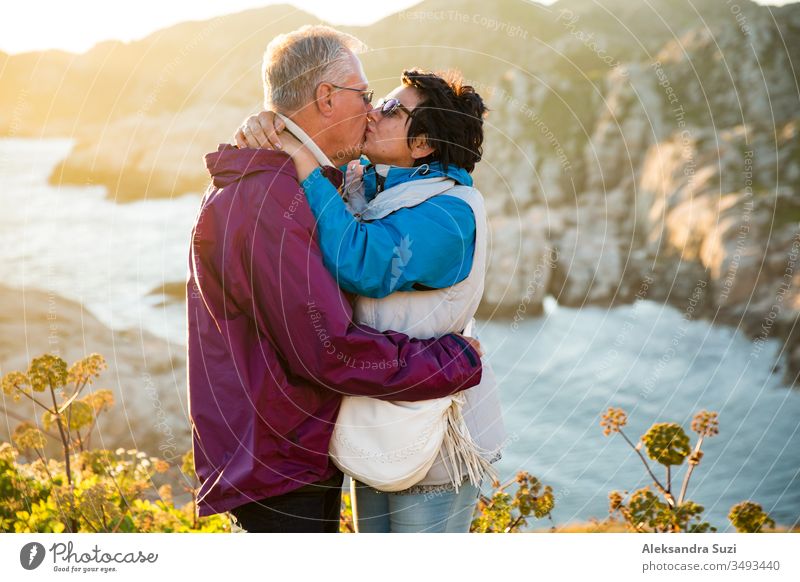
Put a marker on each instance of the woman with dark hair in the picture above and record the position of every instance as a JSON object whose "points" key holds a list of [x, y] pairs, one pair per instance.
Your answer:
{"points": [[406, 233]]}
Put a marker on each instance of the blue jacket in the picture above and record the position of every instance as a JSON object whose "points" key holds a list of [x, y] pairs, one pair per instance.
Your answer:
{"points": [[435, 239]]}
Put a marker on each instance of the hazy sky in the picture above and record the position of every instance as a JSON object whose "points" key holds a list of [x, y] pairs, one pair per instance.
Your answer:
{"points": [[41, 24]]}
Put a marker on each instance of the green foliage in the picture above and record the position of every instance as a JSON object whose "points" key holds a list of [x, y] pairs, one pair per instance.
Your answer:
{"points": [[645, 512], [87, 490], [19, 491], [187, 464], [668, 444], [85, 370], [749, 517], [15, 384], [112, 492], [47, 371], [504, 513], [27, 436], [97, 490]]}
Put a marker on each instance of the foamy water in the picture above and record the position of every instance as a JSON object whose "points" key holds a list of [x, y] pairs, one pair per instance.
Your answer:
{"points": [[75, 242]]}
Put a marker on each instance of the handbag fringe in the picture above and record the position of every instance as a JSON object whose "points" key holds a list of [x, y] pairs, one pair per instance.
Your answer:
{"points": [[462, 455]]}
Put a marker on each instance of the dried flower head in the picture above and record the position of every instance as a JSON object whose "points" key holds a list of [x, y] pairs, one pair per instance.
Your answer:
{"points": [[26, 436], [613, 420], [705, 423], [614, 501], [14, 383], [47, 371], [99, 400], [83, 371], [165, 493]]}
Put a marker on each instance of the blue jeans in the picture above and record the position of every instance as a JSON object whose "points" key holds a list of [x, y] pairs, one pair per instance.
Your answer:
{"points": [[442, 512]]}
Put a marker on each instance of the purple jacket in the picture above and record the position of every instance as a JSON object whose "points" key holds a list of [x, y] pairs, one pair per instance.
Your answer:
{"points": [[272, 347]]}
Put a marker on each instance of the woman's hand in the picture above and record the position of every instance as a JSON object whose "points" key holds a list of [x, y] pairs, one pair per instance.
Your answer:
{"points": [[304, 160], [260, 131]]}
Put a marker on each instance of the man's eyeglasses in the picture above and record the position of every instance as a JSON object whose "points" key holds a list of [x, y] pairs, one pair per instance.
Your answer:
{"points": [[366, 94], [388, 107]]}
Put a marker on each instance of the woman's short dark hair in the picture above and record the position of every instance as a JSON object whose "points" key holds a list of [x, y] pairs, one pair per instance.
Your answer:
{"points": [[449, 115]]}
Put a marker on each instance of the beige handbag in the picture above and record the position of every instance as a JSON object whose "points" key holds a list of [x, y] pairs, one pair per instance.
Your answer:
{"points": [[392, 445]]}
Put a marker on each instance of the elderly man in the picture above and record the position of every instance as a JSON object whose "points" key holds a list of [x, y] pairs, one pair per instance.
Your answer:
{"points": [[272, 347]]}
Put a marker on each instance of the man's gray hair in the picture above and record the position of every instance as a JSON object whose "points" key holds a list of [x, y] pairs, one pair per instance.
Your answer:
{"points": [[295, 63]]}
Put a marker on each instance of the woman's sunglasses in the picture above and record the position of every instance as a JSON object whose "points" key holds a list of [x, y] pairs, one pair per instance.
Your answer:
{"points": [[388, 107]]}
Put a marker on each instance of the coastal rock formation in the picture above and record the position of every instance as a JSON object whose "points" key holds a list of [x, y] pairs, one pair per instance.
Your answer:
{"points": [[147, 375], [626, 141]]}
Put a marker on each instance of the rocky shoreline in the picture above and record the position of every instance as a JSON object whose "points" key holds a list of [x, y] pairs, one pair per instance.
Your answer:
{"points": [[633, 150], [146, 374]]}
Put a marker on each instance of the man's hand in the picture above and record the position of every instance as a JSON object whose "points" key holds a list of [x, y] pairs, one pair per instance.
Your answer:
{"points": [[260, 131]]}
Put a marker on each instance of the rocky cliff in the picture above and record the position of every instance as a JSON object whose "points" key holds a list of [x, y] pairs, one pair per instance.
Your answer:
{"points": [[633, 149]]}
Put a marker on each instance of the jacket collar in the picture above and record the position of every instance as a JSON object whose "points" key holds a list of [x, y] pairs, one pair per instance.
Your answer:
{"points": [[380, 177], [300, 134], [230, 164]]}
